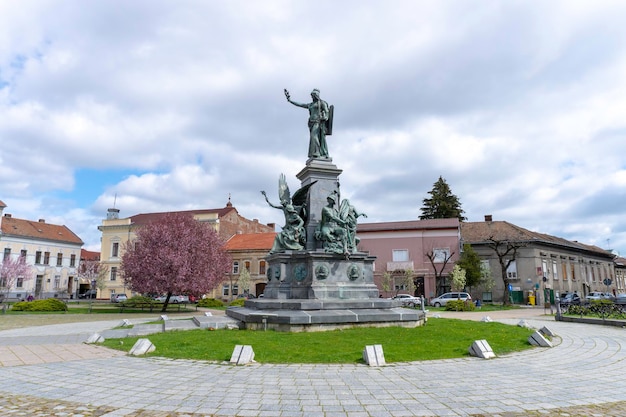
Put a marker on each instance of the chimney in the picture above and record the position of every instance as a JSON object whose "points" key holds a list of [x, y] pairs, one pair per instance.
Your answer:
{"points": [[488, 218], [42, 220], [7, 215]]}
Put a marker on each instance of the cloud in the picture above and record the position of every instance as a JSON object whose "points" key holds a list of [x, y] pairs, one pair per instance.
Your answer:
{"points": [[518, 105]]}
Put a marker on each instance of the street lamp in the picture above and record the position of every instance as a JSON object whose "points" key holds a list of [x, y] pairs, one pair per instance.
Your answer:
{"points": [[76, 287]]}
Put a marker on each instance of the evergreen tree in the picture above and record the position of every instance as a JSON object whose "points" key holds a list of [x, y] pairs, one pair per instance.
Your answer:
{"points": [[470, 262], [442, 204]]}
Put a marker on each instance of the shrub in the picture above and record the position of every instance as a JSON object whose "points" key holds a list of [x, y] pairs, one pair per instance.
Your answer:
{"points": [[460, 305], [237, 302], [210, 302], [138, 300], [49, 304]]}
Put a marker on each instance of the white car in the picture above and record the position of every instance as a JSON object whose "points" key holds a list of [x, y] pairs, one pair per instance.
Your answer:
{"points": [[443, 299], [408, 300], [174, 299], [118, 298]]}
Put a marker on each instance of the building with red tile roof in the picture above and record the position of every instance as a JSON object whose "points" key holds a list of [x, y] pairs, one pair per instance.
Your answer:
{"points": [[539, 265], [117, 231], [51, 250]]}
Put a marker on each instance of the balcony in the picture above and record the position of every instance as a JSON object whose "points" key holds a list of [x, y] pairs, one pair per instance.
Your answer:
{"points": [[400, 266]]}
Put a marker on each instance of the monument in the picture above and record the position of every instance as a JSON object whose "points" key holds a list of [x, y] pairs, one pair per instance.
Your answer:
{"points": [[316, 277]]}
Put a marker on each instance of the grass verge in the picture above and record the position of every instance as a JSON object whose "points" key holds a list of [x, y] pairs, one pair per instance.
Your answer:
{"points": [[438, 339]]}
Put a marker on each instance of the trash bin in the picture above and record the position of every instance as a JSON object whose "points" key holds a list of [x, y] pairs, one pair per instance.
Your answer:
{"points": [[531, 300]]}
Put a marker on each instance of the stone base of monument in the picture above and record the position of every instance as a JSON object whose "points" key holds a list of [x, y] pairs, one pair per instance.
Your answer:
{"points": [[321, 315], [316, 291]]}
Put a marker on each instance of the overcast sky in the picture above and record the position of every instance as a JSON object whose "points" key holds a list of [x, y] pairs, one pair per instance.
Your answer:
{"points": [[172, 105]]}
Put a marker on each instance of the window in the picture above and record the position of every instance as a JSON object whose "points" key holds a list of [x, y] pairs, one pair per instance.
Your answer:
{"points": [[246, 265], [20, 282], [113, 273], [236, 267], [23, 254], [235, 289], [46, 258], [441, 255], [225, 290], [573, 272], [72, 260], [511, 271], [262, 267], [564, 271], [59, 259], [400, 255], [38, 257], [7, 254], [555, 270], [399, 283], [115, 249], [57, 281]]}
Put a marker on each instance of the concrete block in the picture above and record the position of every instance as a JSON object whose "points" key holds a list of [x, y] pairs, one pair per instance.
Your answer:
{"points": [[124, 323], [242, 355], [546, 332], [523, 323], [486, 319], [141, 347], [481, 349], [208, 313], [164, 317], [537, 339], [373, 355], [94, 338]]}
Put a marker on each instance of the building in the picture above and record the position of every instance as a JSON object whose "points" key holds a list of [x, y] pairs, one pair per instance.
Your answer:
{"points": [[52, 252], [620, 275], [117, 231], [247, 251], [540, 265], [427, 249]]}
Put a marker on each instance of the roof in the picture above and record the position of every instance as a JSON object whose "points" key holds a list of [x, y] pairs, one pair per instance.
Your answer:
{"points": [[38, 230], [251, 241], [481, 232], [146, 218], [409, 225], [89, 255]]}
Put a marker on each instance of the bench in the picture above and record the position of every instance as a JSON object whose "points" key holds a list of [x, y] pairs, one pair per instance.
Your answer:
{"points": [[151, 306]]}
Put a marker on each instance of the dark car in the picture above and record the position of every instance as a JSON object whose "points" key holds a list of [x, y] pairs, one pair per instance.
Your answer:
{"points": [[88, 294]]}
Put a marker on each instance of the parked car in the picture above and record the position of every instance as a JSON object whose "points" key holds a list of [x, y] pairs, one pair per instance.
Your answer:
{"points": [[408, 300], [570, 299], [443, 299], [595, 295], [118, 298], [88, 294], [246, 296], [174, 299], [620, 298]]}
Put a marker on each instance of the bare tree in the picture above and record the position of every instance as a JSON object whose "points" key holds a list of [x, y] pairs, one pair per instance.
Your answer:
{"points": [[506, 252], [439, 260]]}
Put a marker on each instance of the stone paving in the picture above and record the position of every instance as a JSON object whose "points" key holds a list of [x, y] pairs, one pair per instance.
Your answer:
{"points": [[583, 375]]}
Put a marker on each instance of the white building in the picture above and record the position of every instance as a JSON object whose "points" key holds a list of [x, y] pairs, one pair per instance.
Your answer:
{"points": [[52, 252]]}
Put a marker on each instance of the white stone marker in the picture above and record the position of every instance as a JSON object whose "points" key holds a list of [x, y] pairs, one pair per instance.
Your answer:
{"points": [[242, 355], [481, 349], [537, 339], [95, 338], [141, 347], [373, 355]]}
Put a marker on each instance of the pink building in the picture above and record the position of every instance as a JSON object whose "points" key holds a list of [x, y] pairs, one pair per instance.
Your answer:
{"points": [[424, 250]]}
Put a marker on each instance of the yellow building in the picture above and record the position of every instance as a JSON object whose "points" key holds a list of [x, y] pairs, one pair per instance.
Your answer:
{"points": [[117, 231], [52, 252]]}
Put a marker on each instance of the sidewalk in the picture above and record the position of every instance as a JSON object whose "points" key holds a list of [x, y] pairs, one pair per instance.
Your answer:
{"points": [[581, 376]]}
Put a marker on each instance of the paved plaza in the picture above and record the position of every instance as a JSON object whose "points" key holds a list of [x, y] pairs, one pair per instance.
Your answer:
{"points": [[48, 371]]}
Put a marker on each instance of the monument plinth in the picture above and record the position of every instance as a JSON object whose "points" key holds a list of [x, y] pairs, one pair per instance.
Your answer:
{"points": [[316, 277]]}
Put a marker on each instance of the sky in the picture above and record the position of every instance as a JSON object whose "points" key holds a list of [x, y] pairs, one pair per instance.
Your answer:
{"points": [[152, 106]]}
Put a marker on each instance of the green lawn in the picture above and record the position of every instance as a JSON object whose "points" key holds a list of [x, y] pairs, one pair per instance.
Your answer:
{"points": [[438, 339]]}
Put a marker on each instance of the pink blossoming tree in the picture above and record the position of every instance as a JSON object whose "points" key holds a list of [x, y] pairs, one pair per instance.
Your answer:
{"points": [[11, 270], [175, 254]]}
